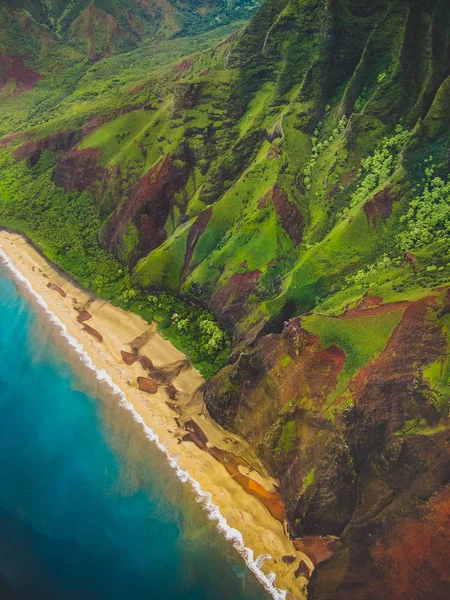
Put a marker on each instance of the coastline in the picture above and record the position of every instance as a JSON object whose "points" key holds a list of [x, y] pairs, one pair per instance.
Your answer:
{"points": [[225, 474]]}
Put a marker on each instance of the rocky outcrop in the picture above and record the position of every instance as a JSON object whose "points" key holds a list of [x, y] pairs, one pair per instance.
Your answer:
{"points": [[187, 94], [379, 207], [353, 461], [13, 68], [58, 142], [195, 232], [147, 207], [289, 214], [78, 170], [230, 302]]}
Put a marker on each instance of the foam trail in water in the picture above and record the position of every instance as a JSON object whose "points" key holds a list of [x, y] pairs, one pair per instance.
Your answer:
{"points": [[231, 534]]}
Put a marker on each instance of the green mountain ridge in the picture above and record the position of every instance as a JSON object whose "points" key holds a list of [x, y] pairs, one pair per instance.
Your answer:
{"points": [[288, 180]]}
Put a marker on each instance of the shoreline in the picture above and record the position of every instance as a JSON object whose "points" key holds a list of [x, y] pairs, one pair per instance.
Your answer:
{"points": [[158, 386]]}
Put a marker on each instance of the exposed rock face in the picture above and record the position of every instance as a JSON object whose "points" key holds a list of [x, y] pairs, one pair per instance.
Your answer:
{"points": [[351, 468], [394, 548], [78, 170], [58, 142], [187, 94], [290, 215], [147, 207], [12, 68], [379, 207], [147, 385], [231, 301], [195, 233]]}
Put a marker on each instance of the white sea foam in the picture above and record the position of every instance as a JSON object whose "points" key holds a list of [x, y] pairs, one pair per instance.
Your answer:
{"points": [[213, 511]]}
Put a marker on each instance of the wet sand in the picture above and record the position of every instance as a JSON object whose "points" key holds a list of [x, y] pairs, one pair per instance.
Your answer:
{"points": [[164, 389]]}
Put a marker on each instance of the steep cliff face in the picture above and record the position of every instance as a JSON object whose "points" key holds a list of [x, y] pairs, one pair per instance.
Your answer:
{"points": [[292, 176], [355, 447]]}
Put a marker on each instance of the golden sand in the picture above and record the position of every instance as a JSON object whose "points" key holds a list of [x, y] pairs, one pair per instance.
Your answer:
{"points": [[220, 462]]}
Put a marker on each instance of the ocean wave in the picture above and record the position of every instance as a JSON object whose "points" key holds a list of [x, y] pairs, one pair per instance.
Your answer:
{"points": [[205, 498]]}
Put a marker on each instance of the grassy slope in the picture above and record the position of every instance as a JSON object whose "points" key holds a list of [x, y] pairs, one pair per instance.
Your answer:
{"points": [[212, 109]]}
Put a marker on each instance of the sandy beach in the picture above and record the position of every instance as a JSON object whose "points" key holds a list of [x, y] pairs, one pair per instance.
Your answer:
{"points": [[163, 389]]}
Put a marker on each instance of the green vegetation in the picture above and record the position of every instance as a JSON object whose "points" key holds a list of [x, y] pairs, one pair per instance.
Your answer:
{"points": [[276, 185], [428, 217], [362, 338], [265, 190], [376, 169]]}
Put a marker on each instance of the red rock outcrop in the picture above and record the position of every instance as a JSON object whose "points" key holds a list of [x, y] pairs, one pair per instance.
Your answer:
{"points": [[347, 461], [379, 207], [16, 69], [230, 302], [58, 142], [195, 232], [290, 215], [148, 205], [78, 170], [183, 65], [147, 385]]}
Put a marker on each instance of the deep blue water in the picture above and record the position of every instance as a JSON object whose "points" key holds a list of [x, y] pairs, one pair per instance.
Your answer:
{"points": [[89, 508]]}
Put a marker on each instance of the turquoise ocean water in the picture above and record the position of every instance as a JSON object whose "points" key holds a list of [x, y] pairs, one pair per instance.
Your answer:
{"points": [[89, 507]]}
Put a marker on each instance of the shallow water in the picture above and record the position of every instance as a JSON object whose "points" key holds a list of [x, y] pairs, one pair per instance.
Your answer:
{"points": [[89, 508]]}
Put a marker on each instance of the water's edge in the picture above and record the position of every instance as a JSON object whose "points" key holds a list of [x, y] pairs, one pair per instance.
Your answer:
{"points": [[213, 511]]}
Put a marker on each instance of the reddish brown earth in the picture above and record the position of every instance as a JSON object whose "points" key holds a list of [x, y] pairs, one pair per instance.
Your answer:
{"points": [[414, 344], [183, 65], [229, 39], [270, 500], [411, 259], [367, 310], [147, 385], [57, 142], [368, 301], [56, 288], [129, 358], [148, 206], [7, 140], [83, 315], [290, 215], [15, 68], [78, 170], [354, 468], [171, 391], [317, 548], [414, 555], [379, 207], [230, 303], [93, 332], [264, 201], [397, 546], [195, 434], [146, 363], [194, 235]]}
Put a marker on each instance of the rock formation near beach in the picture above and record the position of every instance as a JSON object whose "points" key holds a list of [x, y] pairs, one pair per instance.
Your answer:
{"points": [[275, 195]]}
